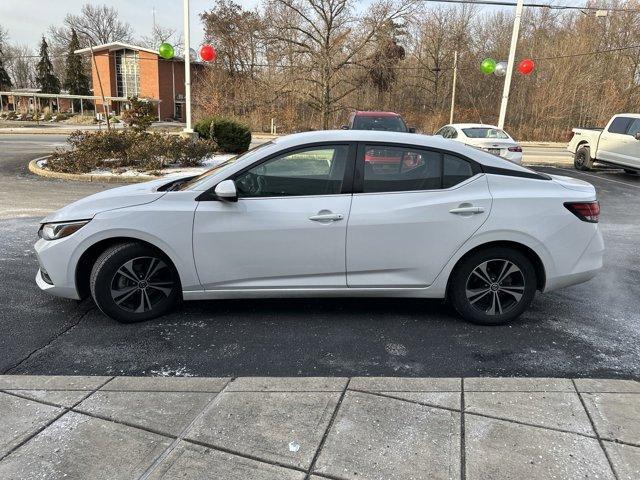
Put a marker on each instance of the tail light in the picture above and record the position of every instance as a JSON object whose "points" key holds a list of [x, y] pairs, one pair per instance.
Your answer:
{"points": [[585, 211], [517, 148]]}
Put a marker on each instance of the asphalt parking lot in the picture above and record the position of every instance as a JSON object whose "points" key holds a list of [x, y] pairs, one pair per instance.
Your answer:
{"points": [[589, 330]]}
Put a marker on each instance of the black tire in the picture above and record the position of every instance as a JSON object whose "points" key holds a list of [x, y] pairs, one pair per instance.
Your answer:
{"points": [[514, 292], [582, 159], [114, 288], [631, 172]]}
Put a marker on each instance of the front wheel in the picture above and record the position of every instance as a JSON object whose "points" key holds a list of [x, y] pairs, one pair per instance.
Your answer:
{"points": [[493, 286], [131, 282]]}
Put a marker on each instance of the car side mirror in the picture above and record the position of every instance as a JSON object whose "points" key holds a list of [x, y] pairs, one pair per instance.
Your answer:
{"points": [[637, 135], [344, 127], [412, 129], [226, 191]]}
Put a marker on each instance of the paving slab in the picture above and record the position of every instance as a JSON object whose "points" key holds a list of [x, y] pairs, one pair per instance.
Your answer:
{"points": [[47, 382], [625, 460], [518, 384], [278, 427], [437, 399], [497, 449], [190, 462], [288, 384], [400, 384], [164, 412], [603, 385], [78, 447], [61, 398], [20, 418], [560, 410], [166, 384], [383, 438], [616, 416]]}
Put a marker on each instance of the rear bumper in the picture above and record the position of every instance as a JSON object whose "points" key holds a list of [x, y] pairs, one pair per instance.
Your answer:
{"points": [[586, 267]]}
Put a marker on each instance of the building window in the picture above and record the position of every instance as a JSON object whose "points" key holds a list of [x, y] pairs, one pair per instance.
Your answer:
{"points": [[127, 73], [178, 111]]}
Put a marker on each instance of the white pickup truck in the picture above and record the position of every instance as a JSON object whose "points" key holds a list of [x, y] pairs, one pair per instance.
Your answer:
{"points": [[617, 144]]}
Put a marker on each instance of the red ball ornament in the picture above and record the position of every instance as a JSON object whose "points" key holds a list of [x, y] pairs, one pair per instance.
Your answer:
{"points": [[526, 66], [208, 53]]}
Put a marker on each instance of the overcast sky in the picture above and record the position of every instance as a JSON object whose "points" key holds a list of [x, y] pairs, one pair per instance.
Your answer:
{"points": [[28, 20]]}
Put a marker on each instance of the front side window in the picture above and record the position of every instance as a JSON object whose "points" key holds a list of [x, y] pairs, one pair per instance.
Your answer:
{"points": [[620, 125], [402, 169], [310, 171]]}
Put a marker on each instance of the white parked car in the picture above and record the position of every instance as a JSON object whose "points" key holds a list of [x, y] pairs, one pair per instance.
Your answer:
{"points": [[617, 144], [485, 137], [332, 213]]}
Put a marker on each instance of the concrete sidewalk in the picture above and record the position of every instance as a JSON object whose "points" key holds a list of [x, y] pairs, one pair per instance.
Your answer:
{"points": [[314, 428]]}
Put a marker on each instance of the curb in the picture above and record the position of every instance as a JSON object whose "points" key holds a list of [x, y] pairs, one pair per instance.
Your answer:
{"points": [[80, 177]]}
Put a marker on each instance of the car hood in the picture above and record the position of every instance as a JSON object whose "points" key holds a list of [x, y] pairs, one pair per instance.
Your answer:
{"points": [[112, 199]]}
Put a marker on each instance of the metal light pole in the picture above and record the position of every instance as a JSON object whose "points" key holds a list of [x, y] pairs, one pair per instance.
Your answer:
{"points": [[512, 56], [453, 88], [187, 70]]}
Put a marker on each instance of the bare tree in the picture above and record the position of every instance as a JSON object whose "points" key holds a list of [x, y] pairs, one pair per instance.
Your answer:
{"points": [[160, 34], [95, 25]]}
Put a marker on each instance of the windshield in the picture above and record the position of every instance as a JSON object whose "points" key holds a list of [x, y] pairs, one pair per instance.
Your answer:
{"points": [[485, 132], [222, 166], [383, 122]]}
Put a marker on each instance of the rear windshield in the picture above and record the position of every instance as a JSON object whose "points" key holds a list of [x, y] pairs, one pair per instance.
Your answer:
{"points": [[383, 122], [484, 132]]}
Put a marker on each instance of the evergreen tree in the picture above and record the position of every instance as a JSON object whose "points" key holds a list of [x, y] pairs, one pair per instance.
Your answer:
{"points": [[76, 80], [5, 81], [45, 78]]}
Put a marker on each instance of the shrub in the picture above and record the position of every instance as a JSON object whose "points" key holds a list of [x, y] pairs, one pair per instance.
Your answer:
{"points": [[140, 114], [231, 136], [118, 150], [203, 127]]}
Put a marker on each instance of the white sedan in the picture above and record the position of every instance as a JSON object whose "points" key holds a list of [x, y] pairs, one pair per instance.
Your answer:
{"points": [[333, 213], [486, 137]]}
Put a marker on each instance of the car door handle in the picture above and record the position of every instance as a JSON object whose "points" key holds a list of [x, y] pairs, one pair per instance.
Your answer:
{"points": [[467, 210], [326, 217]]}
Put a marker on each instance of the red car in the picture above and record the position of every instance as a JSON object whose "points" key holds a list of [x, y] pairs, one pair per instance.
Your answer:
{"points": [[386, 121], [369, 120]]}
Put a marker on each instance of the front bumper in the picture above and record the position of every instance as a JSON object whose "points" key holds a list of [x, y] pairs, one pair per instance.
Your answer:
{"points": [[53, 258]]}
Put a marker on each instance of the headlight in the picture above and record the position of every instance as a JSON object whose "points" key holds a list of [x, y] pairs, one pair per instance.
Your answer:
{"points": [[55, 231]]}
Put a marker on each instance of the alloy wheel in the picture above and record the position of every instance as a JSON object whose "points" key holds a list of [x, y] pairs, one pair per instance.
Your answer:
{"points": [[495, 287], [142, 283]]}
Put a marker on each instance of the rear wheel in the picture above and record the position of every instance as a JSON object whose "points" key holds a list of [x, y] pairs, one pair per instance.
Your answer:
{"points": [[582, 159], [493, 286], [131, 282]]}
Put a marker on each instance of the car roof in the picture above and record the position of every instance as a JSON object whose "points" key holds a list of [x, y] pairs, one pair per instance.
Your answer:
{"points": [[374, 113], [419, 140], [474, 125]]}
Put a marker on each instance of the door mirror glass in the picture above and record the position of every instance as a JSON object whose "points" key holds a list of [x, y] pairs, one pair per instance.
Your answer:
{"points": [[226, 191]]}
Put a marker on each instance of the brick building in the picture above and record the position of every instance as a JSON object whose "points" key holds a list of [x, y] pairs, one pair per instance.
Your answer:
{"points": [[128, 70]]}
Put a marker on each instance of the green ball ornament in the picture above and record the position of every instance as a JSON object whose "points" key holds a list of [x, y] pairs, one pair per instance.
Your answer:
{"points": [[166, 51], [488, 66]]}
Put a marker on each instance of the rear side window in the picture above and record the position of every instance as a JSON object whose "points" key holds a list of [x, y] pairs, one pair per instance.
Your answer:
{"points": [[455, 170], [402, 169], [620, 125], [634, 127]]}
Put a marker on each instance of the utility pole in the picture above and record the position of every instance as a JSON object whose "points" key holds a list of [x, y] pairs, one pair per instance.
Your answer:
{"points": [[105, 108], [453, 87], [512, 56], [187, 70]]}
